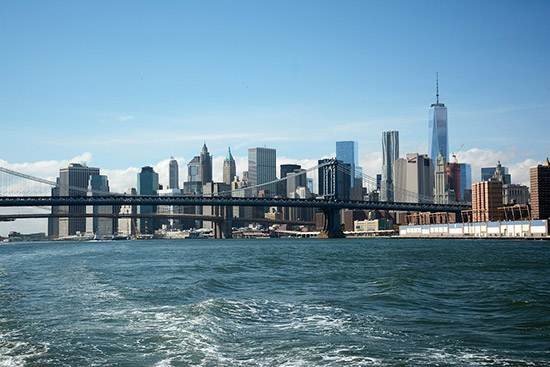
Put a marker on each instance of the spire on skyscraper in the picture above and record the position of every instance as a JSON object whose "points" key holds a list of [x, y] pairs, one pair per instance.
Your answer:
{"points": [[436, 87]]}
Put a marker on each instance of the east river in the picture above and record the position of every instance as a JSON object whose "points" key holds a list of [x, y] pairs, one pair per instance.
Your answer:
{"points": [[276, 302]]}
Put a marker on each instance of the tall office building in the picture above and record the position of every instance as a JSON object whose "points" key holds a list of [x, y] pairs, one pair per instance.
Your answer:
{"points": [[540, 190], [173, 174], [390, 153], [193, 170], [334, 179], [262, 168], [73, 181], [205, 165], [459, 176], [486, 199], [99, 225], [438, 138], [347, 152], [127, 226], [414, 179], [147, 184], [285, 169], [441, 189], [296, 179], [229, 168]]}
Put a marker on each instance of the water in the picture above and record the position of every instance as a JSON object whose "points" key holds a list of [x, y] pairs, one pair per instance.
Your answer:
{"points": [[352, 302]]}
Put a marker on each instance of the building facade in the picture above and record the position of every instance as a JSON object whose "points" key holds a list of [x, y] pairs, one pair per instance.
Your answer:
{"points": [[441, 189], [347, 152], [205, 166], [489, 172], [127, 226], [515, 194], [390, 153], [414, 179], [173, 174], [262, 168], [459, 177], [285, 169], [147, 184], [73, 181], [100, 225], [540, 190], [229, 168], [486, 199], [438, 138]]}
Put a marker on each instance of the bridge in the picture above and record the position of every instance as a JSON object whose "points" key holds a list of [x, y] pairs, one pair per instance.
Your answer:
{"points": [[330, 203]]}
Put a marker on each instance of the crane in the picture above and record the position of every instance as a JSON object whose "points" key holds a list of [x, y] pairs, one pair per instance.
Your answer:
{"points": [[455, 154]]}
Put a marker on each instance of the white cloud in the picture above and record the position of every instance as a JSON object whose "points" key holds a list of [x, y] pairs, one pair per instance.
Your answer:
{"points": [[126, 118], [517, 163]]}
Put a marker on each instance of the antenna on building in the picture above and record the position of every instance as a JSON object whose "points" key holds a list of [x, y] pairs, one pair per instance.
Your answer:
{"points": [[437, 87]]}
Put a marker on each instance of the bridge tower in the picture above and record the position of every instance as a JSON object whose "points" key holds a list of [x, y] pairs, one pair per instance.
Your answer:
{"points": [[331, 224], [224, 228]]}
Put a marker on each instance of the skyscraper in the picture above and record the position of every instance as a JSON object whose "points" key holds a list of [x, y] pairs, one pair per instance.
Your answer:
{"points": [[459, 176], [173, 174], [262, 168], [99, 225], [390, 153], [229, 168], [441, 189], [438, 138], [72, 178], [414, 179], [285, 169], [540, 190], [193, 170], [347, 152], [147, 184], [205, 165]]}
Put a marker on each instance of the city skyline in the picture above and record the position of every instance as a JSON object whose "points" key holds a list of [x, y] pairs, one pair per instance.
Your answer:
{"points": [[135, 92]]}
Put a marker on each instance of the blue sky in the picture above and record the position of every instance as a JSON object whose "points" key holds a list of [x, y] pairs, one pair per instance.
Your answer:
{"points": [[131, 83]]}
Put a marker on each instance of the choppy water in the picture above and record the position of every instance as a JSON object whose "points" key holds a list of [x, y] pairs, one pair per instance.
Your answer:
{"points": [[355, 302]]}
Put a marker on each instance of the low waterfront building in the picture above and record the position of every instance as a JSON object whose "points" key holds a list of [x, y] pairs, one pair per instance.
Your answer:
{"points": [[491, 229]]}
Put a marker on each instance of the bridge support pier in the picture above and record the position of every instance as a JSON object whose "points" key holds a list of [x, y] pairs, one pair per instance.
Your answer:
{"points": [[224, 228], [331, 225]]}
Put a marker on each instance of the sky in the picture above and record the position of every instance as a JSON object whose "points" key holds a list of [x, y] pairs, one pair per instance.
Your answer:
{"points": [[124, 84]]}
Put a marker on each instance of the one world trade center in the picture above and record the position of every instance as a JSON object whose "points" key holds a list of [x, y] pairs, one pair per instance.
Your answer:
{"points": [[438, 139]]}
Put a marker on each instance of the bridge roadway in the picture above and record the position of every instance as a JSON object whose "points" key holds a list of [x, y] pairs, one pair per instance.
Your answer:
{"points": [[324, 204]]}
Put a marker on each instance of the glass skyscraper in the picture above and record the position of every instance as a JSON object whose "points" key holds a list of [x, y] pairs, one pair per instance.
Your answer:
{"points": [[438, 138], [347, 152], [262, 168], [390, 153]]}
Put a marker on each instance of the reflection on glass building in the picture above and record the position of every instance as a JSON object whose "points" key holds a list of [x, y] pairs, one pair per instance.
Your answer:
{"points": [[347, 152]]}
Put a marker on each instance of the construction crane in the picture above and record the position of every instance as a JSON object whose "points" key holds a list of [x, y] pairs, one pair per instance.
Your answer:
{"points": [[455, 154]]}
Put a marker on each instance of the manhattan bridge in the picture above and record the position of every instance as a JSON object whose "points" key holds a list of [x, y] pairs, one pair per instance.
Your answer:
{"points": [[25, 196]]}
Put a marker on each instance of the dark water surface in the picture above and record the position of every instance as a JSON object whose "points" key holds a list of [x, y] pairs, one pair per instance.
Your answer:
{"points": [[306, 302]]}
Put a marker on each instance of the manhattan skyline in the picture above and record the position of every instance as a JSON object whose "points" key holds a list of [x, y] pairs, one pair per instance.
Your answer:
{"points": [[125, 85]]}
